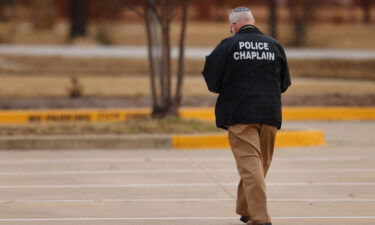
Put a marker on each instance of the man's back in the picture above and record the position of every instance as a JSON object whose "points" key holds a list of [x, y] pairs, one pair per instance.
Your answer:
{"points": [[249, 72]]}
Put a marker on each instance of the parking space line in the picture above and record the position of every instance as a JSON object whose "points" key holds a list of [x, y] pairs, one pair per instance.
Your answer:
{"points": [[183, 200], [172, 159], [141, 171], [47, 186], [175, 171], [174, 218]]}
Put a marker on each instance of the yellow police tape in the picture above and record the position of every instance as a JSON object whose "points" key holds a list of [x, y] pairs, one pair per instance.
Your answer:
{"points": [[220, 141], [95, 115]]}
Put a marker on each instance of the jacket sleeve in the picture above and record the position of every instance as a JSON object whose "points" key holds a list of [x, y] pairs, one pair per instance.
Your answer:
{"points": [[284, 76], [214, 68]]}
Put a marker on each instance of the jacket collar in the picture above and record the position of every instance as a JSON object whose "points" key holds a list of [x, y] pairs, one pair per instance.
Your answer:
{"points": [[249, 29]]}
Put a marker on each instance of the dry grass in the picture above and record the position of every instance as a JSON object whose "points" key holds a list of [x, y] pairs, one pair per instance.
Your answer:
{"points": [[314, 86], [39, 65], [50, 86], [333, 68], [138, 86], [141, 125], [63, 66], [100, 86]]}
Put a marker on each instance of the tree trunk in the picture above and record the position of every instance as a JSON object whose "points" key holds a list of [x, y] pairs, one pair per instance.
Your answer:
{"points": [[300, 11], [273, 18], [164, 102], [366, 9], [164, 108], [150, 48], [181, 58], [78, 18], [43, 14], [4, 4]]}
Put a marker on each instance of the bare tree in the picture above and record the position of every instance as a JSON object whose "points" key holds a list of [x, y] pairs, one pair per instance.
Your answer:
{"points": [[105, 13], [366, 9], [78, 18], [158, 15], [7, 13], [273, 17], [301, 12], [43, 14], [4, 4]]}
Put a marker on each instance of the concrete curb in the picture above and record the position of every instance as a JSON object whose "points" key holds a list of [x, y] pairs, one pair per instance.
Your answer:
{"points": [[297, 113], [219, 141], [161, 141], [207, 114]]}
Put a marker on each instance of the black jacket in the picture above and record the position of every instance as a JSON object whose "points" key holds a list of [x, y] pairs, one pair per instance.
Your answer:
{"points": [[249, 71]]}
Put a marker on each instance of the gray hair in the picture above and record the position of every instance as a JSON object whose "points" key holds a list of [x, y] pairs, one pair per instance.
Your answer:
{"points": [[241, 14]]}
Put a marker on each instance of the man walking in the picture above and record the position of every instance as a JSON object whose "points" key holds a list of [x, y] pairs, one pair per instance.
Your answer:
{"points": [[249, 71]]}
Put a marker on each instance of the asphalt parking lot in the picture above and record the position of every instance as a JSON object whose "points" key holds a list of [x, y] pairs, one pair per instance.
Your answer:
{"points": [[332, 184]]}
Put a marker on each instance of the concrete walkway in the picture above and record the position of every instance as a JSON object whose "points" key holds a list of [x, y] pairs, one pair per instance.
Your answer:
{"points": [[191, 52], [326, 185]]}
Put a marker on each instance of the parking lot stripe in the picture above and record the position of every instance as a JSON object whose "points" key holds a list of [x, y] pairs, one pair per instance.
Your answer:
{"points": [[183, 200], [171, 159], [48, 186], [175, 171], [174, 218]]}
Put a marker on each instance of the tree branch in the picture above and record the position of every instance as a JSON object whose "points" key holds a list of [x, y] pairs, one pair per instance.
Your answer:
{"points": [[181, 57], [153, 7], [134, 9], [172, 9]]}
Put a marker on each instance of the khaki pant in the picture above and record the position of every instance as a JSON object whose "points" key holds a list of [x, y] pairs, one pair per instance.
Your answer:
{"points": [[252, 146]]}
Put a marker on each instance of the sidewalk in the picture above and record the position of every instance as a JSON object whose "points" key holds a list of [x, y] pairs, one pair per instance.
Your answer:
{"points": [[191, 52]]}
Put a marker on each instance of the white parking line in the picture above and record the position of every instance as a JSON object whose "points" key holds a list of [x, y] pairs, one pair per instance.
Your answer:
{"points": [[47, 186], [182, 200], [171, 159], [142, 171], [174, 218], [174, 171]]}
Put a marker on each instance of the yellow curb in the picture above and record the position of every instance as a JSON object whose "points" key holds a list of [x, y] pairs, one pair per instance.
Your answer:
{"points": [[217, 141], [201, 113], [206, 114], [300, 138], [329, 113], [69, 115], [220, 141], [297, 113]]}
